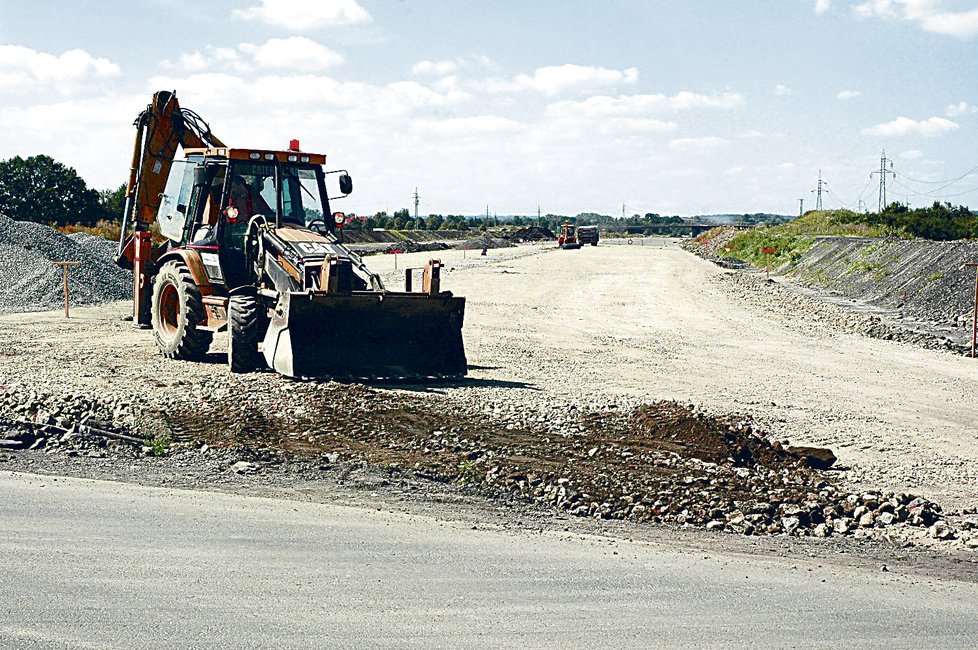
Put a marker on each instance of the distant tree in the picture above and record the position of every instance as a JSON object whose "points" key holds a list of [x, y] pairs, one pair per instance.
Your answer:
{"points": [[435, 221], [402, 213], [420, 224], [113, 202], [43, 190]]}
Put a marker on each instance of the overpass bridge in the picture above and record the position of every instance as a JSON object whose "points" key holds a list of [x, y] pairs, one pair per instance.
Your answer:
{"points": [[680, 228]]}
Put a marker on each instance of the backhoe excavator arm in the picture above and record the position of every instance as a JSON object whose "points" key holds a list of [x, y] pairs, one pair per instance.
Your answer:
{"points": [[160, 129]]}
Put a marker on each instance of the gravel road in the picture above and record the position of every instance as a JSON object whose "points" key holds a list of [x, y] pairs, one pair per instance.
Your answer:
{"points": [[632, 324], [550, 333]]}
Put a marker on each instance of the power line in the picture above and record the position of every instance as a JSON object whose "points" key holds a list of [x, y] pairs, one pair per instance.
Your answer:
{"points": [[948, 182], [837, 198], [931, 193]]}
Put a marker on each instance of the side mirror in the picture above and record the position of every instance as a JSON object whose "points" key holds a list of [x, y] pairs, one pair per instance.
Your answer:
{"points": [[346, 184]]}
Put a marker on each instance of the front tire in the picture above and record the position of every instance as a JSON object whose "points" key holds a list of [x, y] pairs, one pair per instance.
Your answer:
{"points": [[245, 325], [177, 310]]}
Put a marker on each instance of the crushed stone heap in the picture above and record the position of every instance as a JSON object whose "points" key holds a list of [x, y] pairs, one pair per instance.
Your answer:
{"points": [[29, 282]]}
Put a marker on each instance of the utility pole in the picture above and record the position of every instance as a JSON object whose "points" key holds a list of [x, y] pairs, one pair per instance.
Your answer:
{"points": [[415, 204], [883, 172], [818, 196], [487, 210], [622, 210], [801, 207], [538, 212], [861, 206]]}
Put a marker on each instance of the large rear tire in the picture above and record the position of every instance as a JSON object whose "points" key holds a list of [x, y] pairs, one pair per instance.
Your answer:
{"points": [[245, 320], [177, 310]]}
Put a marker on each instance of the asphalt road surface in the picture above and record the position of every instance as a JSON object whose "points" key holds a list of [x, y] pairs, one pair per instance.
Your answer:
{"points": [[89, 564]]}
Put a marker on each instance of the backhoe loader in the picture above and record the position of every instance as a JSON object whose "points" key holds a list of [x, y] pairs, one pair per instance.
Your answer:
{"points": [[250, 245]]}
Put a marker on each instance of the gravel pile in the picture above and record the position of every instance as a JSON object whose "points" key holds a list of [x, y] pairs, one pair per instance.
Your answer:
{"points": [[416, 247], [531, 233], [29, 282], [478, 243], [711, 242]]}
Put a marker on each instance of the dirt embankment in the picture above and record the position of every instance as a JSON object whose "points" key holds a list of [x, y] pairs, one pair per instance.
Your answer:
{"points": [[916, 285], [927, 280]]}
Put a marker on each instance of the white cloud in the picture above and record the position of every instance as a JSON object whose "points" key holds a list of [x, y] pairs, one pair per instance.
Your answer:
{"points": [[463, 126], [296, 53], [931, 15], [222, 90], [821, 6], [848, 94], [932, 127], [638, 105], [25, 70], [435, 67], [635, 125], [961, 108], [696, 144], [782, 90], [911, 154], [305, 15], [552, 80], [56, 129]]}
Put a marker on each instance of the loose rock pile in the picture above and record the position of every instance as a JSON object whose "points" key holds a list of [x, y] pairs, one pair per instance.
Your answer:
{"points": [[29, 282], [478, 243], [416, 247], [531, 233]]}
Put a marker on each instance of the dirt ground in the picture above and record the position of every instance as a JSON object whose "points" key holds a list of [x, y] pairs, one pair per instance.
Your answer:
{"points": [[634, 324], [555, 338]]}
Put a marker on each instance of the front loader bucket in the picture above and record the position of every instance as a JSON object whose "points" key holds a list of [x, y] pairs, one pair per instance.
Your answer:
{"points": [[366, 334]]}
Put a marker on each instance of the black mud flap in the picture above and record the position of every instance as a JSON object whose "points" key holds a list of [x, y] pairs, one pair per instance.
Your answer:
{"points": [[366, 335]]}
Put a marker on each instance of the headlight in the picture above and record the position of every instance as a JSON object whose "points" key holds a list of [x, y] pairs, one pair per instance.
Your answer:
{"points": [[212, 266]]}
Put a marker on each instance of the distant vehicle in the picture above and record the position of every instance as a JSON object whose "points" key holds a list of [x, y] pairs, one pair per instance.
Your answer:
{"points": [[568, 237], [588, 235]]}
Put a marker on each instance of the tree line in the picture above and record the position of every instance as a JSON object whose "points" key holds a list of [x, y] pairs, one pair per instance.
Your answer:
{"points": [[940, 221], [41, 189]]}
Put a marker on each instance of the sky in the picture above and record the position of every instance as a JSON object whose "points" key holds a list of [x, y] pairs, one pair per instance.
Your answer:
{"points": [[566, 106]]}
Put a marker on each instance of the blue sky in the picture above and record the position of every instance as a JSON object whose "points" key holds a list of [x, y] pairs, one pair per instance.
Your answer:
{"points": [[664, 106]]}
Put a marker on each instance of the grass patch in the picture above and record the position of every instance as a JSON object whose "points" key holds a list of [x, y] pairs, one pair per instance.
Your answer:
{"points": [[158, 445], [106, 229], [749, 246]]}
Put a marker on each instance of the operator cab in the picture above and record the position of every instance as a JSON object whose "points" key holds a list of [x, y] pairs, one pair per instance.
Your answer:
{"points": [[216, 196]]}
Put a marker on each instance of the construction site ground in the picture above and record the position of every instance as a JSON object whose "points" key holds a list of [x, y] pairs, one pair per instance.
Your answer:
{"points": [[563, 347]]}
